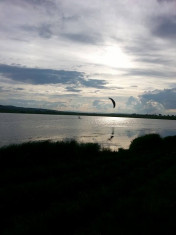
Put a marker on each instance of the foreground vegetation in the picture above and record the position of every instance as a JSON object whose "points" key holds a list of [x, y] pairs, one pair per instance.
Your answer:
{"points": [[77, 189]]}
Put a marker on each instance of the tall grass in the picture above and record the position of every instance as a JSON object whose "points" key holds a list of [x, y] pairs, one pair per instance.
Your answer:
{"points": [[74, 188]]}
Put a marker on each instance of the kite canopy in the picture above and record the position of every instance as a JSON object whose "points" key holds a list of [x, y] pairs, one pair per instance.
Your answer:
{"points": [[113, 102]]}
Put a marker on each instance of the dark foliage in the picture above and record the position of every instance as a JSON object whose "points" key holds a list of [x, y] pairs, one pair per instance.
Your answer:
{"points": [[75, 189], [146, 143]]}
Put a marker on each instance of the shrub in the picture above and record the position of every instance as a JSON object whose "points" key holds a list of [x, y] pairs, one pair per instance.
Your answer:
{"points": [[146, 143]]}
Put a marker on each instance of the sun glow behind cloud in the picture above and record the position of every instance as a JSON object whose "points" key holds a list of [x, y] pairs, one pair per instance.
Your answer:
{"points": [[112, 56]]}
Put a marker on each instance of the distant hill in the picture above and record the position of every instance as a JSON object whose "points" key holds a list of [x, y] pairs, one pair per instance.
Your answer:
{"points": [[15, 109]]}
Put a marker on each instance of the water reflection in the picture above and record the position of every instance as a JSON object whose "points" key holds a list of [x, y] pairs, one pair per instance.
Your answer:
{"points": [[112, 134], [109, 132]]}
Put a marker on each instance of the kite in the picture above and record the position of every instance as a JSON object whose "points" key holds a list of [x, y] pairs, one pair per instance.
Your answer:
{"points": [[113, 102]]}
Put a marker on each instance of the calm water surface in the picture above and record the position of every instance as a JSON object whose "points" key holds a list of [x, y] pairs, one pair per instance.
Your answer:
{"points": [[109, 132]]}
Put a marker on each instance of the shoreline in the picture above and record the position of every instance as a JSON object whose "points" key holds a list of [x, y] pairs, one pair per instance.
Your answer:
{"points": [[22, 110]]}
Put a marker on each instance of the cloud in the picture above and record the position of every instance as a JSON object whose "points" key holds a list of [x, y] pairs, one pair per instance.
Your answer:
{"points": [[37, 76], [39, 2], [154, 72], [166, 27], [90, 48], [19, 89], [166, 97], [142, 106], [82, 38], [162, 1], [99, 105], [2, 89], [100, 84], [34, 103], [147, 51], [157, 101], [47, 4], [43, 30], [104, 104], [72, 89]]}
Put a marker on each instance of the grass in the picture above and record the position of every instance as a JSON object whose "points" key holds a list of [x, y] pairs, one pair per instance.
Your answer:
{"points": [[78, 189]]}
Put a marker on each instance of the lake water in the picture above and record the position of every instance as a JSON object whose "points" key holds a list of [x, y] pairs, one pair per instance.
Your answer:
{"points": [[109, 132]]}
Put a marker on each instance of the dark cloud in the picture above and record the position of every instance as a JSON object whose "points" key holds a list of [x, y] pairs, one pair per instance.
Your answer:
{"points": [[166, 97], [44, 30], [143, 46], [154, 60], [161, 1], [165, 27], [48, 4], [149, 73], [38, 2], [100, 84], [19, 89], [143, 106], [72, 89], [157, 101], [147, 51], [49, 76], [82, 38]]}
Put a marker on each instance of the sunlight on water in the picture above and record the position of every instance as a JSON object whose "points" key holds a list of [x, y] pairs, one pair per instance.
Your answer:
{"points": [[111, 120], [109, 132]]}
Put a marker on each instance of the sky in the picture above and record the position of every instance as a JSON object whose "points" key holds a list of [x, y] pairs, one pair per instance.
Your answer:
{"points": [[72, 55]]}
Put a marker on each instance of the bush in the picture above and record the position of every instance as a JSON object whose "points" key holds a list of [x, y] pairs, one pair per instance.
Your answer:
{"points": [[146, 143]]}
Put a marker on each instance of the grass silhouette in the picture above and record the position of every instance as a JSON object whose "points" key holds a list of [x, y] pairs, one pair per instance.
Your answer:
{"points": [[75, 188]]}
